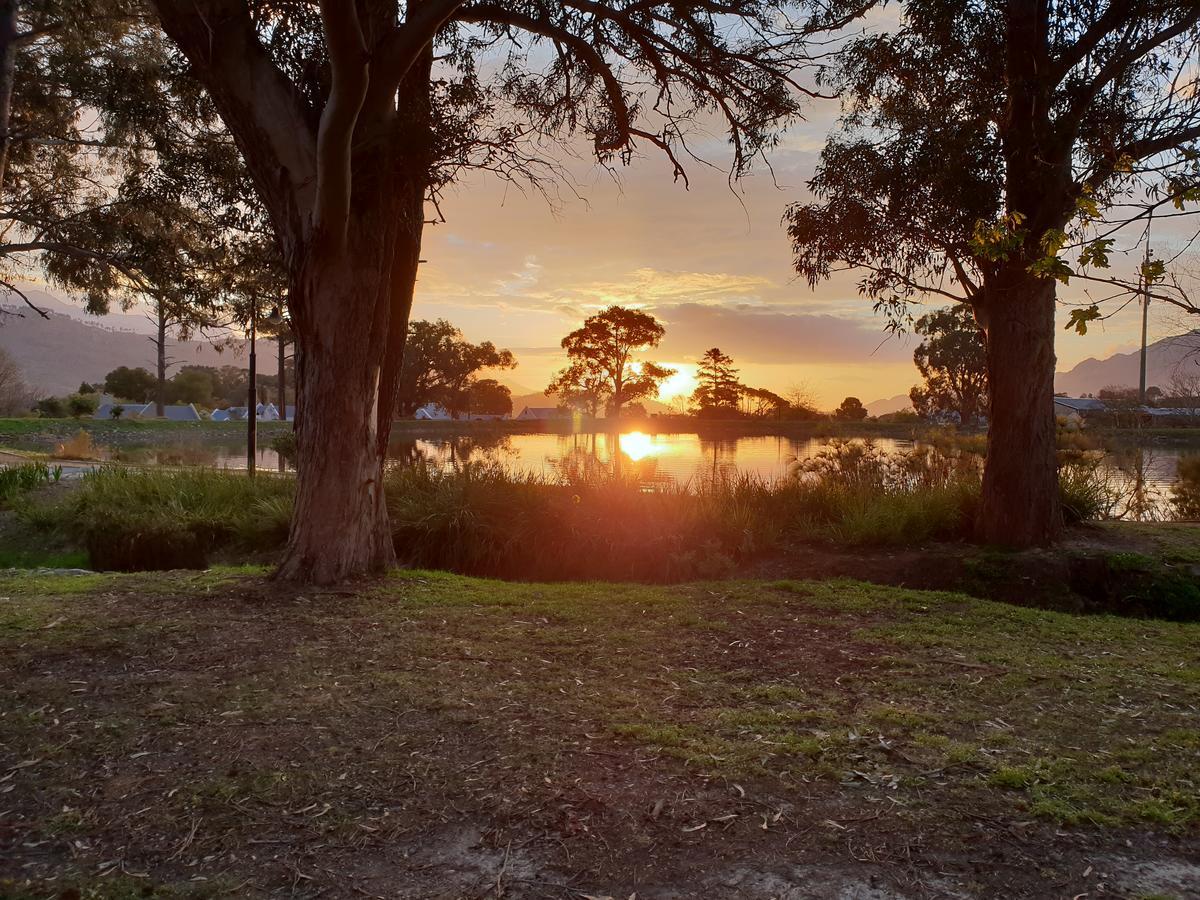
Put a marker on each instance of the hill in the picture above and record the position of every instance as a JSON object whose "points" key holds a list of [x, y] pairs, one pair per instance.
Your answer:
{"points": [[1165, 359], [56, 354]]}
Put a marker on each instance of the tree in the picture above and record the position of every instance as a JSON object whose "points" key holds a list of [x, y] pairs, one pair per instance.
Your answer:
{"points": [[191, 385], [347, 125], [760, 402], [15, 395], [982, 142], [718, 389], [489, 397], [851, 409], [581, 388], [441, 366], [51, 408], [125, 383], [79, 405], [952, 359], [85, 388], [601, 355]]}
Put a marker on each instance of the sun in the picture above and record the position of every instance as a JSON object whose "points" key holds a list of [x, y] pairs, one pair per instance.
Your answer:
{"points": [[682, 382], [637, 446]]}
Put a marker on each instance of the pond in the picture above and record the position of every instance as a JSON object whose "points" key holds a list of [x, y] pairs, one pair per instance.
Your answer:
{"points": [[680, 459]]}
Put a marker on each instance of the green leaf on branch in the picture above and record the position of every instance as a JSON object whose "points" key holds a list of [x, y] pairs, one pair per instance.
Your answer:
{"points": [[1154, 270], [1052, 267], [1095, 254], [1080, 318]]}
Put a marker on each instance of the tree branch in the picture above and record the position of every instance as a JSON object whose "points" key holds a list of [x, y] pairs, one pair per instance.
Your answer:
{"points": [[348, 65]]}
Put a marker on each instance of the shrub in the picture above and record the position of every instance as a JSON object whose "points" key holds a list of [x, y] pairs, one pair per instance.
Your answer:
{"points": [[78, 447], [17, 480], [132, 520], [1185, 494]]}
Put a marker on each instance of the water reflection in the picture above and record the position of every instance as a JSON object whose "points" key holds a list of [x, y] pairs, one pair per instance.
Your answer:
{"points": [[1141, 476]]}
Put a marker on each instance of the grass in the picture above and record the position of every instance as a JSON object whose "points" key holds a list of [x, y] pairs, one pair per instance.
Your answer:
{"points": [[343, 725], [25, 478]]}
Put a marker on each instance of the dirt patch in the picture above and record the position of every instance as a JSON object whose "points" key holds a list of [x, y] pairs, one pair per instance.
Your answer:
{"points": [[210, 735]]}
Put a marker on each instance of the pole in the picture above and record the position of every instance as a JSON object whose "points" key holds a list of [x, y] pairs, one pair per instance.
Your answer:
{"points": [[282, 378], [252, 395], [1145, 284]]}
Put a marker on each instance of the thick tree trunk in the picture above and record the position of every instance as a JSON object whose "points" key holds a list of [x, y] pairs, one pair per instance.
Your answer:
{"points": [[339, 523], [8, 75], [1020, 505]]}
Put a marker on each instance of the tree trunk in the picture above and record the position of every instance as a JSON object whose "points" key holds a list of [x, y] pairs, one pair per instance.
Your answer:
{"points": [[281, 347], [8, 75], [1020, 506], [339, 523], [160, 392]]}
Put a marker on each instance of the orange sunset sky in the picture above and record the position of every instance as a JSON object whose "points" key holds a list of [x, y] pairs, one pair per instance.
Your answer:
{"points": [[713, 265]]}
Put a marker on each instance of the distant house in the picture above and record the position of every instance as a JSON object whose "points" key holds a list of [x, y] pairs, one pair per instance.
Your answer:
{"points": [[432, 412], [175, 412], [1077, 409], [542, 413], [264, 412]]}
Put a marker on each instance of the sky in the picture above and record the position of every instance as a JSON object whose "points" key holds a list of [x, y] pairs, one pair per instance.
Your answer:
{"points": [[711, 262]]}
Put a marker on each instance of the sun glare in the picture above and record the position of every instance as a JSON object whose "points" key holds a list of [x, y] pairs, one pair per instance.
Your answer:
{"points": [[682, 382], [637, 446]]}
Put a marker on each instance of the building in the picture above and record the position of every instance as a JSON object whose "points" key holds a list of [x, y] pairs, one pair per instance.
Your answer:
{"points": [[1077, 409], [432, 412], [174, 412], [542, 413]]}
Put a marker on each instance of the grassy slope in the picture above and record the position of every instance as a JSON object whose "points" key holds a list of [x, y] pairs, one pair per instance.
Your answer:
{"points": [[584, 724]]}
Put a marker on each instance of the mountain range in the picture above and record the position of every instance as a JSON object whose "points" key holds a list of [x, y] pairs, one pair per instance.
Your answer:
{"points": [[69, 347]]}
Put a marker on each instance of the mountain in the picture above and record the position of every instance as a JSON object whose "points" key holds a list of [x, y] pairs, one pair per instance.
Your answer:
{"points": [[56, 354], [890, 405], [1164, 360]]}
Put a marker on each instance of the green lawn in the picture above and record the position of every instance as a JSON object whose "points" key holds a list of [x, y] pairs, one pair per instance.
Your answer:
{"points": [[600, 738]]}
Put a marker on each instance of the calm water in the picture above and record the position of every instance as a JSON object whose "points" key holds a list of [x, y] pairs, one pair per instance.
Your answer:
{"points": [[667, 458]]}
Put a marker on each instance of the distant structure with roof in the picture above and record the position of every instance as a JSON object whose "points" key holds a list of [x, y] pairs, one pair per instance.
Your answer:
{"points": [[173, 412], [542, 413]]}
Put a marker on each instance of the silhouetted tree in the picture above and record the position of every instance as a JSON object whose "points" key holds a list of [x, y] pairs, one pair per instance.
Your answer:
{"points": [[952, 359], [441, 366], [347, 127], [982, 142], [601, 355], [125, 383], [489, 397], [851, 409], [717, 389]]}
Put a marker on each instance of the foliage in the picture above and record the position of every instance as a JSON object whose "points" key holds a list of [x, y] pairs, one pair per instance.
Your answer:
{"points": [[80, 405], [718, 388], [441, 366], [1186, 491], [602, 366], [489, 397], [125, 383], [16, 397], [152, 520], [851, 409], [79, 446], [952, 359], [51, 408], [17, 480]]}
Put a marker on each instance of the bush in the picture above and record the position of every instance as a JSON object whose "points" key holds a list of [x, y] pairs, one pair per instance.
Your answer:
{"points": [[17, 480], [132, 520], [1185, 494]]}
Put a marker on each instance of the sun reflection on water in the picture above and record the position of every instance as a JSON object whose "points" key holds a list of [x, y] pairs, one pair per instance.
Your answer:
{"points": [[637, 445]]}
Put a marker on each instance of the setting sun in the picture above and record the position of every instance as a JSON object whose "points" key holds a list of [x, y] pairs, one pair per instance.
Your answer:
{"points": [[636, 445]]}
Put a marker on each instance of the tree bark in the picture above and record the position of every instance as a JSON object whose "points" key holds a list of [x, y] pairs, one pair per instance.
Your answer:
{"points": [[160, 343], [339, 523], [1020, 505], [8, 74]]}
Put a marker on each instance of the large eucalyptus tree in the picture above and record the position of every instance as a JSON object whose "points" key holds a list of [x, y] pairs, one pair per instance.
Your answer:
{"points": [[348, 115], [988, 151]]}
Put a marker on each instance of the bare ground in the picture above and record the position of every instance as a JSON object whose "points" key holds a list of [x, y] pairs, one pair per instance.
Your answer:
{"points": [[431, 736]]}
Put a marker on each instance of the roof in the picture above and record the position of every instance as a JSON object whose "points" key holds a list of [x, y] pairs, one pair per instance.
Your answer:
{"points": [[1081, 404], [171, 412], [541, 412]]}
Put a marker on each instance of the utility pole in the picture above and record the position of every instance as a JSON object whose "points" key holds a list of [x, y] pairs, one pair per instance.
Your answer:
{"points": [[1144, 283], [252, 394]]}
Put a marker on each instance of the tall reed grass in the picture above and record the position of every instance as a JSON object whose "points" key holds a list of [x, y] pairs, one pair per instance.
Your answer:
{"points": [[482, 519], [18, 480]]}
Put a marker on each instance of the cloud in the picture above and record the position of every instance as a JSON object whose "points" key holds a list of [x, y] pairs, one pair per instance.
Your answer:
{"points": [[775, 336]]}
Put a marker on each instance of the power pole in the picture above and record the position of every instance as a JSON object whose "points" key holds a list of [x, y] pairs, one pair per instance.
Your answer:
{"points": [[1144, 283]]}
